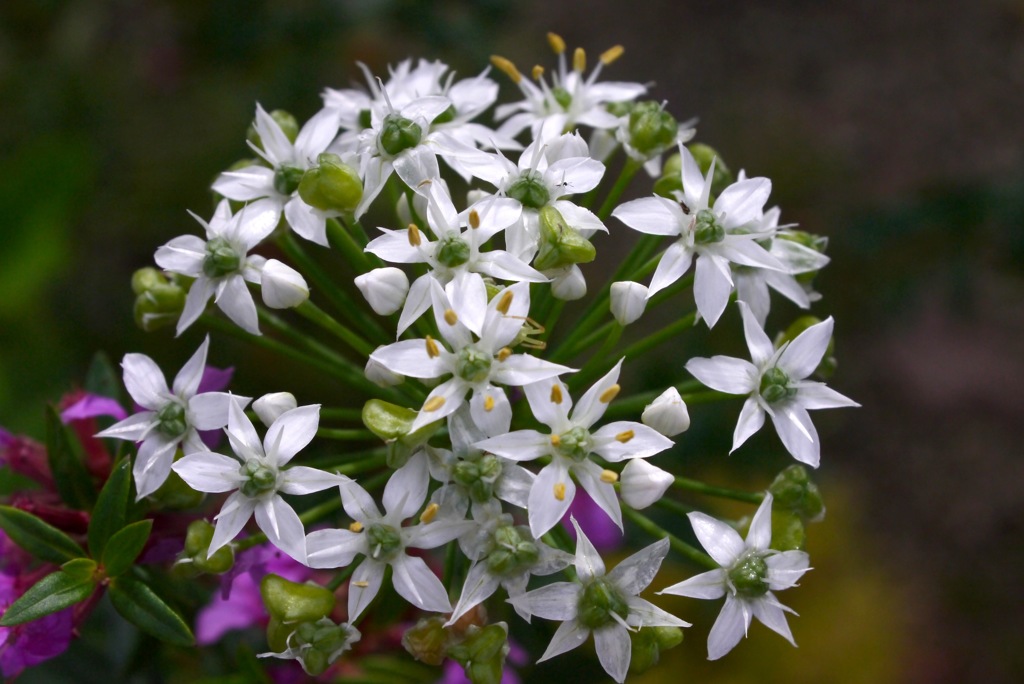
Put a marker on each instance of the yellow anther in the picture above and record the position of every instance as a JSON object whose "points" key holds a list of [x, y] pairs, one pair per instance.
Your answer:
{"points": [[609, 476], [432, 349], [356, 527], [474, 219], [488, 403], [430, 513], [361, 585], [504, 353], [450, 317], [433, 404], [556, 394], [625, 436], [414, 235], [556, 43], [579, 60], [537, 72], [611, 54], [505, 302], [609, 394], [560, 491], [556, 440], [507, 67]]}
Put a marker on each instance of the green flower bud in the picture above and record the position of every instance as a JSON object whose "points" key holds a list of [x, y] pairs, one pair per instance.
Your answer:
{"points": [[385, 542], [792, 490], [221, 259], [788, 531], [482, 653], [472, 364], [703, 155], [828, 363], [530, 190], [750, 576], [651, 128], [598, 601], [398, 134], [158, 302], [775, 385], [427, 640], [620, 108], [514, 549], [453, 251], [671, 179], [331, 185], [314, 662], [562, 97], [560, 244], [575, 443], [668, 637], [289, 126], [707, 230], [648, 643], [291, 602], [287, 179], [172, 419]]}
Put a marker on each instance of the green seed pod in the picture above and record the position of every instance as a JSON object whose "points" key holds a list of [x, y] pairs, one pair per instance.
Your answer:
{"points": [[427, 640], [598, 601], [794, 491], [158, 301], [387, 421], [644, 651], [651, 128], [775, 385], [530, 190], [750, 576], [287, 179], [560, 244], [331, 185], [788, 531], [671, 180], [221, 259], [287, 122], [398, 134], [482, 653], [453, 251], [292, 602]]}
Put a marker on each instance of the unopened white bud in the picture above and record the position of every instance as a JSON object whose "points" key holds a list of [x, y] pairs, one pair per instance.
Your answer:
{"points": [[384, 289], [568, 284], [283, 287], [379, 375], [403, 211], [629, 300], [270, 406], [667, 414], [641, 484]]}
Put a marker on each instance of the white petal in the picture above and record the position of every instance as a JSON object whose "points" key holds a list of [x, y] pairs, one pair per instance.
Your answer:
{"points": [[673, 264], [743, 201], [759, 536], [358, 503], [603, 493], [798, 434], [645, 614], [133, 428], [184, 254], [761, 348], [568, 636], [721, 542], [209, 472], [770, 614], [306, 480], [451, 394], [500, 328], [233, 515], [333, 548], [316, 134], [153, 464], [592, 405], [707, 585], [144, 381], [195, 303], [613, 650], [725, 374], [479, 586], [750, 421], [236, 302], [521, 445], [804, 353], [523, 369], [418, 585], [281, 524], [467, 295], [712, 286], [550, 405], [394, 246], [786, 568], [557, 601], [636, 573], [209, 410], [241, 433], [545, 508], [644, 442], [249, 183], [406, 489], [816, 395], [410, 358], [588, 561], [652, 215], [254, 223], [496, 419], [290, 433], [363, 587], [729, 628], [187, 381]]}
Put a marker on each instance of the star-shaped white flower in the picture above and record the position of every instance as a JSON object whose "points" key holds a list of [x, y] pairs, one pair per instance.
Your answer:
{"points": [[750, 572], [172, 417], [569, 445], [716, 235], [383, 541], [257, 476], [605, 604], [777, 384]]}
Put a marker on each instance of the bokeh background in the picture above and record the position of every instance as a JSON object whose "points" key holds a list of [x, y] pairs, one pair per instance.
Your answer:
{"points": [[894, 128]]}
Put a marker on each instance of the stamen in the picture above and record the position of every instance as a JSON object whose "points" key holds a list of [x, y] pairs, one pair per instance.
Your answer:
{"points": [[361, 585], [625, 436], [356, 527], [556, 394], [556, 43], [560, 491], [433, 404], [579, 60], [538, 72], [612, 54], [609, 476], [507, 67], [430, 513], [474, 219], [432, 349], [414, 235], [505, 302], [450, 317], [609, 394], [488, 403], [504, 353], [556, 441]]}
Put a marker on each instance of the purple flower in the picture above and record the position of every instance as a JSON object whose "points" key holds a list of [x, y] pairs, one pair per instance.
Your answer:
{"points": [[93, 406], [599, 528]]}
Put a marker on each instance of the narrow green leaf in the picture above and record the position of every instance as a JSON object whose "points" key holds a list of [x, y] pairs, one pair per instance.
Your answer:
{"points": [[39, 538], [125, 546], [74, 484], [110, 512], [139, 605], [102, 377], [54, 592]]}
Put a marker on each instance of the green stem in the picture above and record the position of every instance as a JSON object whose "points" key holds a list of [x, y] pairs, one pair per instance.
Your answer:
{"points": [[343, 241], [311, 312], [629, 170], [721, 492], [652, 528], [673, 506], [346, 435], [341, 414]]}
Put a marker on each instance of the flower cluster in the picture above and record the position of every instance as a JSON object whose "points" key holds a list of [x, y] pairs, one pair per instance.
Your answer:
{"points": [[457, 372]]}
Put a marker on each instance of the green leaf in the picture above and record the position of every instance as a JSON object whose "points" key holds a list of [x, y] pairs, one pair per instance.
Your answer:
{"points": [[125, 546], [139, 605], [111, 508], [39, 538], [74, 484], [66, 587], [102, 378]]}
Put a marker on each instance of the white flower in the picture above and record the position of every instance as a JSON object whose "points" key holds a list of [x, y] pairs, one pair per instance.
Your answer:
{"points": [[475, 366], [171, 417], [750, 572], [569, 445], [269, 407], [220, 264], [383, 541], [628, 301], [606, 605], [642, 484], [282, 286], [667, 414], [384, 289], [277, 186], [378, 373], [257, 476], [777, 385], [717, 235]]}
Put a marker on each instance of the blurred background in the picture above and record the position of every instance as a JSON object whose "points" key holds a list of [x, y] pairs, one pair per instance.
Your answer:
{"points": [[894, 128]]}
